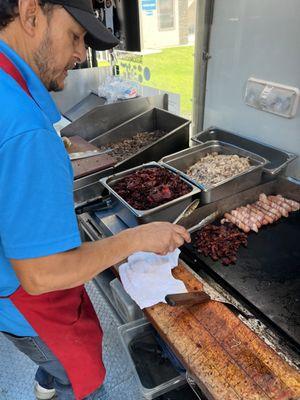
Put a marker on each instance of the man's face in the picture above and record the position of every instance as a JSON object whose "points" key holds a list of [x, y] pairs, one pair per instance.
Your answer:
{"points": [[60, 47]]}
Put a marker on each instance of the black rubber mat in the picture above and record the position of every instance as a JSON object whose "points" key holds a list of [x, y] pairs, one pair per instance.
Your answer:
{"points": [[266, 275]]}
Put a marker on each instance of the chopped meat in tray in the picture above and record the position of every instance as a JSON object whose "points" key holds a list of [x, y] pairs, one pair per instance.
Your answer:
{"points": [[150, 187], [130, 146], [215, 168]]}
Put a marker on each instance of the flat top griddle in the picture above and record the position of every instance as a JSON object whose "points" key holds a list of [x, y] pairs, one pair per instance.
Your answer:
{"points": [[266, 275]]}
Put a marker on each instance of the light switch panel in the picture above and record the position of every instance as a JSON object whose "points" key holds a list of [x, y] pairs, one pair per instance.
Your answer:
{"points": [[272, 97]]}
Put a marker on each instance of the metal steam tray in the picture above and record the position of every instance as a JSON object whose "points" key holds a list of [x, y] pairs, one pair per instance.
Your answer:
{"points": [[181, 161], [165, 212], [278, 159], [176, 136]]}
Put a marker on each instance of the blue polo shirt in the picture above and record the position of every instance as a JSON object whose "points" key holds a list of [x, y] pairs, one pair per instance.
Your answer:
{"points": [[37, 215]]}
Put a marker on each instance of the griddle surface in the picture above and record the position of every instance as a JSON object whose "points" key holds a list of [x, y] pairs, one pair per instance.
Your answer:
{"points": [[267, 273]]}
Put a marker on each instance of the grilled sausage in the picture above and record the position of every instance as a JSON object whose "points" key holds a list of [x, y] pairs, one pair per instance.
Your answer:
{"points": [[244, 219], [259, 214], [268, 207], [268, 215], [237, 222], [263, 198], [280, 202], [276, 206], [256, 219], [294, 204]]}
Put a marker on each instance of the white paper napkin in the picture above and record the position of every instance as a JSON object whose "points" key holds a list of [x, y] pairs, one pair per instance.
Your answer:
{"points": [[147, 277]]}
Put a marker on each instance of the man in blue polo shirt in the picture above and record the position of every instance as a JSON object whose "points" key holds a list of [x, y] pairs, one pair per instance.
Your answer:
{"points": [[44, 309]]}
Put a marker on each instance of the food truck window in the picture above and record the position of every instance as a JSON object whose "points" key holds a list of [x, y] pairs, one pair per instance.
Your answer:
{"points": [[166, 14], [165, 60]]}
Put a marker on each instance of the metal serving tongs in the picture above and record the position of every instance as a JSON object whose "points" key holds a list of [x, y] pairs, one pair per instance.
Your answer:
{"points": [[187, 211], [205, 221]]}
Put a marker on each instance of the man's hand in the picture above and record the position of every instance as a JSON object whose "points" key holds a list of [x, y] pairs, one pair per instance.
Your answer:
{"points": [[160, 237]]}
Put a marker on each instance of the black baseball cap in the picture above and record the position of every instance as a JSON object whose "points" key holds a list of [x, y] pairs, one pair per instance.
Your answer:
{"points": [[98, 36]]}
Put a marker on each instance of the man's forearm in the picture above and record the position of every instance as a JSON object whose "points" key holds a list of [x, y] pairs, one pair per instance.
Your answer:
{"points": [[75, 267]]}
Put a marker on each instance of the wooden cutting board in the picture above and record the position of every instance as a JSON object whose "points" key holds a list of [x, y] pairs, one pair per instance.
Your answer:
{"points": [[228, 359], [86, 166]]}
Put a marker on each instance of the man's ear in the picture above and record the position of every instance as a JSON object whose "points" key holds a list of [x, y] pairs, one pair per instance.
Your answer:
{"points": [[29, 12]]}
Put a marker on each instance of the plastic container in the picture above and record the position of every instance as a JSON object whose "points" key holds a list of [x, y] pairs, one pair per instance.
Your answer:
{"points": [[127, 308], [154, 372]]}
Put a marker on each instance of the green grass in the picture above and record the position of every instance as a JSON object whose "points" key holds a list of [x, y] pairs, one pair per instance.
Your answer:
{"points": [[103, 64], [171, 70]]}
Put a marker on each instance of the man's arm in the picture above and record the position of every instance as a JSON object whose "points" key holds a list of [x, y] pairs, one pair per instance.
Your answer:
{"points": [[75, 267]]}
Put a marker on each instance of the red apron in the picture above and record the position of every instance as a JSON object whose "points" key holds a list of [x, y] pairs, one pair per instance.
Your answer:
{"points": [[65, 320]]}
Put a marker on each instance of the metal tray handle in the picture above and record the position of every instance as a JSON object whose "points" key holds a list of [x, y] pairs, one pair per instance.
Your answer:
{"points": [[276, 171], [293, 180]]}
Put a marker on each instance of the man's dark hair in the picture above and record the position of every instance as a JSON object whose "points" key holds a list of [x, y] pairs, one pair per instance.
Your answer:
{"points": [[9, 10]]}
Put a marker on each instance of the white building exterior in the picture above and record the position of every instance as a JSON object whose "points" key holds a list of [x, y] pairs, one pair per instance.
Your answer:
{"points": [[164, 23]]}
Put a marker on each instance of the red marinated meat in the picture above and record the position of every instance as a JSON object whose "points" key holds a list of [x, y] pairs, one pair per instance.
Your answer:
{"points": [[220, 242], [150, 187]]}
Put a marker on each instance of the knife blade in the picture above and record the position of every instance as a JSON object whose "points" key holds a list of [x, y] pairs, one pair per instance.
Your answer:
{"points": [[87, 154]]}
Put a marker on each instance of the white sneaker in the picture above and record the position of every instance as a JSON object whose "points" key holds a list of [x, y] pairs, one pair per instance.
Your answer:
{"points": [[42, 393]]}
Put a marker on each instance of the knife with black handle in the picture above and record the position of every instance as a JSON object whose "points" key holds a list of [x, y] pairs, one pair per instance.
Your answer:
{"points": [[186, 299], [199, 297]]}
